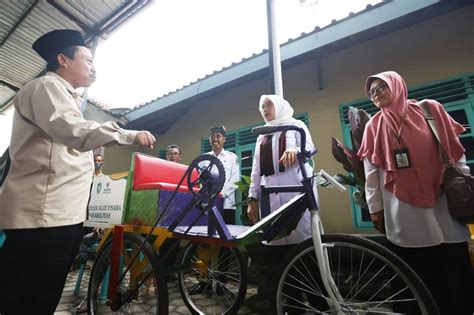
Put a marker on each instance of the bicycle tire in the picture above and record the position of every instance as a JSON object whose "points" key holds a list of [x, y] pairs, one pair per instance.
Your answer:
{"points": [[369, 277], [145, 265], [203, 273]]}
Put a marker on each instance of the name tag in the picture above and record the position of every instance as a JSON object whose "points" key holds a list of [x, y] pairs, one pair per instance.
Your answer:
{"points": [[402, 158]]}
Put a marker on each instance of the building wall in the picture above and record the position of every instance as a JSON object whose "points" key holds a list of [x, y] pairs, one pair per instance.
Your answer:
{"points": [[428, 51]]}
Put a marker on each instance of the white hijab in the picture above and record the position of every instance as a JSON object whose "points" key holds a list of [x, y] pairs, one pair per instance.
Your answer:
{"points": [[283, 110]]}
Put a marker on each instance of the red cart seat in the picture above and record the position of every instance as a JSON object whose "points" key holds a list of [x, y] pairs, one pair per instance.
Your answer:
{"points": [[154, 173]]}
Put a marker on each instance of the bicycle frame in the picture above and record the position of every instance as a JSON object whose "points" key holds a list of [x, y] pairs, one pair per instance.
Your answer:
{"points": [[310, 203]]}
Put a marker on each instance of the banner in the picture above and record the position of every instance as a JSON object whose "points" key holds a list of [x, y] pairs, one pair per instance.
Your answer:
{"points": [[107, 196]]}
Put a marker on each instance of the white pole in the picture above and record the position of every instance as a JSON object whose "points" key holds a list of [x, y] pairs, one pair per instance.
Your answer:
{"points": [[275, 48]]}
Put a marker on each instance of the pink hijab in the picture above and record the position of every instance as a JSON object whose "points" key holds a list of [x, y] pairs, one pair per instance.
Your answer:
{"points": [[419, 185]]}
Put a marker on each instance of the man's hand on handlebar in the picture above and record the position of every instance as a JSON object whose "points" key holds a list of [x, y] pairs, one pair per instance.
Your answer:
{"points": [[289, 157]]}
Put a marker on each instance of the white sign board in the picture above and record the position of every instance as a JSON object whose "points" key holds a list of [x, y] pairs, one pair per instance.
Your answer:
{"points": [[106, 204]]}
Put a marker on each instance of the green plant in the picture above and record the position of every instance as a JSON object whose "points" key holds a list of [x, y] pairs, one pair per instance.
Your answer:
{"points": [[358, 118], [243, 186]]}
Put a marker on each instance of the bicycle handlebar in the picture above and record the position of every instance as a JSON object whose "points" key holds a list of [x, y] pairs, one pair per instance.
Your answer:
{"points": [[264, 130]]}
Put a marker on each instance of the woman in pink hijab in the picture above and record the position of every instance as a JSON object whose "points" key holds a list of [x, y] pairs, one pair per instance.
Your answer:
{"points": [[403, 189]]}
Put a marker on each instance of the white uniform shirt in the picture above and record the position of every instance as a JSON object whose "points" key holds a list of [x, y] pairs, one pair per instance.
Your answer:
{"points": [[409, 226], [51, 163], [232, 175], [291, 176]]}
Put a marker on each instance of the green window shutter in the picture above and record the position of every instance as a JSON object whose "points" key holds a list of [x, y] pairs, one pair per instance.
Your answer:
{"points": [[457, 96]]}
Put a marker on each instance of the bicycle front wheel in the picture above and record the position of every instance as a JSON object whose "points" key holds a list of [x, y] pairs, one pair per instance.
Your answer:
{"points": [[141, 291], [369, 278]]}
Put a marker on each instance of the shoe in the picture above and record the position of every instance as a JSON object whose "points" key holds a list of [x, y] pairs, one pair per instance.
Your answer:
{"points": [[82, 307], [198, 288], [258, 303], [171, 277], [222, 289]]}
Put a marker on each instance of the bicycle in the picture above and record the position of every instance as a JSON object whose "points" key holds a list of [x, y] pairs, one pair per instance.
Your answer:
{"points": [[356, 275], [325, 274]]}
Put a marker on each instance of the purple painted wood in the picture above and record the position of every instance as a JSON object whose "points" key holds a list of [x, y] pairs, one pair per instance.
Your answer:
{"points": [[180, 201], [216, 222]]}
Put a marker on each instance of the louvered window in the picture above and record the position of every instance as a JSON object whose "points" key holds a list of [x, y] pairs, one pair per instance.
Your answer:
{"points": [[457, 96]]}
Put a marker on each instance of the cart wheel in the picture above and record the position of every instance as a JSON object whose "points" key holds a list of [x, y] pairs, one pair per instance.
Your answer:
{"points": [[211, 176], [141, 290], [213, 279]]}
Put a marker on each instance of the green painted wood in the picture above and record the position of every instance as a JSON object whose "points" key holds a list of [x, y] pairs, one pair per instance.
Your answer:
{"points": [[140, 207]]}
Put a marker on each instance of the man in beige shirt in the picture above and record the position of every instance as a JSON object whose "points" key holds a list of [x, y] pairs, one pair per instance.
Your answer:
{"points": [[44, 197]]}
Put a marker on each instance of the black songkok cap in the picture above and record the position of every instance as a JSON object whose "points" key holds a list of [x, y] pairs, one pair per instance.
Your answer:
{"points": [[50, 44], [220, 130]]}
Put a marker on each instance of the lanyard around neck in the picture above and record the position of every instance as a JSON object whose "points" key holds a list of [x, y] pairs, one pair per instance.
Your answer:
{"points": [[398, 132]]}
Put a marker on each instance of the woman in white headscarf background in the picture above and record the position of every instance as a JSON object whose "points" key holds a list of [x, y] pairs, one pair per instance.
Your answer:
{"points": [[275, 164]]}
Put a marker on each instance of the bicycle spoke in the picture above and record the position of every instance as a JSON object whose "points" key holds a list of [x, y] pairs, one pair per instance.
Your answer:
{"points": [[366, 276]]}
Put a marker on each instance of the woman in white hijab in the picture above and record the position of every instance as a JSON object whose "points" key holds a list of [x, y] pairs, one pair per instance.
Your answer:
{"points": [[275, 164]]}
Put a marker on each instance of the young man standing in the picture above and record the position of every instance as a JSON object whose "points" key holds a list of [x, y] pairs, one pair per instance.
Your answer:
{"points": [[44, 198], [217, 137]]}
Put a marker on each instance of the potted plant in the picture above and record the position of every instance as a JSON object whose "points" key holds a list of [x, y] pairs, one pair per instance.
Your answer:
{"points": [[355, 177]]}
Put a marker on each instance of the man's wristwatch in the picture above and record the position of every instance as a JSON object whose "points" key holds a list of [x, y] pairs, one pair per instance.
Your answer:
{"points": [[249, 199]]}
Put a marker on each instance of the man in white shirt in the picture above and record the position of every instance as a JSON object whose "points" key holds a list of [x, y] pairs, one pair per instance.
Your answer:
{"points": [[173, 153], [217, 137], [45, 194]]}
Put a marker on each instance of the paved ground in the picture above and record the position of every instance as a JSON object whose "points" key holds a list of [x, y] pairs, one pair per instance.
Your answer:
{"points": [[68, 302]]}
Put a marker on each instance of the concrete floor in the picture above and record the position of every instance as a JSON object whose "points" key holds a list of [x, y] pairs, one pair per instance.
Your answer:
{"points": [[69, 302]]}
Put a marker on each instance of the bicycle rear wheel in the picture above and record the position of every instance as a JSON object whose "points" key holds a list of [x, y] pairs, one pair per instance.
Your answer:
{"points": [[213, 279], [151, 297], [369, 277]]}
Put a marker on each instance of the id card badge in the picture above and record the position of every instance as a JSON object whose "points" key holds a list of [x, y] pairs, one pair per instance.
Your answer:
{"points": [[402, 158]]}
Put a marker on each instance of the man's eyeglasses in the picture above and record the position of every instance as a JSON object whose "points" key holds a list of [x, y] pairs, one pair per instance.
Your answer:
{"points": [[173, 153], [377, 90]]}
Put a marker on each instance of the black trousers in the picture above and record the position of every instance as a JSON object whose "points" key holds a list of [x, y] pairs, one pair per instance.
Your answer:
{"points": [[447, 272], [229, 216], [34, 264]]}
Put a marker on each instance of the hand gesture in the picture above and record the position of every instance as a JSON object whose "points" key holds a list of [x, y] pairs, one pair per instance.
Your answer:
{"points": [[378, 221], [252, 211], [145, 138]]}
